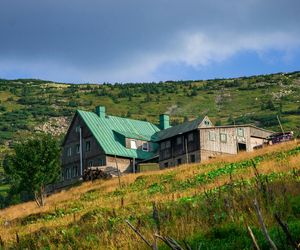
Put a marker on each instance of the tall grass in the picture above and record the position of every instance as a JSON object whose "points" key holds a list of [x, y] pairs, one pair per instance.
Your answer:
{"points": [[198, 203]]}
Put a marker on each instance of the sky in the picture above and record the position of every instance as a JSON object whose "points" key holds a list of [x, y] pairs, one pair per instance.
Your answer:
{"points": [[100, 41]]}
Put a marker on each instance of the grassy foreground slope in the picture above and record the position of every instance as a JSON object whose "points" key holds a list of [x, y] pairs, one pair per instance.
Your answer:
{"points": [[207, 205]]}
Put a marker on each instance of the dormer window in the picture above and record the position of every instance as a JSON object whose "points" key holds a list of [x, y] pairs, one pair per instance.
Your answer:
{"points": [[133, 144], [145, 146]]}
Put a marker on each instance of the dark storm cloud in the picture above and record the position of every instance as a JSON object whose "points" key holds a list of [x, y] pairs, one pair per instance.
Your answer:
{"points": [[109, 40]]}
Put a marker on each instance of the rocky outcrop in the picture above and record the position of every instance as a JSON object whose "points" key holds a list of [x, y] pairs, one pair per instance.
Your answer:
{"points": [[55, 126]]}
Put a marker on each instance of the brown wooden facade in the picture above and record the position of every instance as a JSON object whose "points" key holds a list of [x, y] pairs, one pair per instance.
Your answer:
{"points": [[179, 149], [92, 153], [207, 142]]}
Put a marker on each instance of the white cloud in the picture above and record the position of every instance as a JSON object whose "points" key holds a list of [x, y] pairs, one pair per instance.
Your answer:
{"points": [[198, 50], [118, 41]]}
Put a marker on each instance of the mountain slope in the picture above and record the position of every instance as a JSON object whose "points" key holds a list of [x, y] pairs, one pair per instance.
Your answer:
{"points": [[26, 104], [204, 204]]}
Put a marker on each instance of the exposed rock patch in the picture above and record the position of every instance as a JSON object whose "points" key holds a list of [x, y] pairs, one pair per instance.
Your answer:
{"points": [[55, 126]]}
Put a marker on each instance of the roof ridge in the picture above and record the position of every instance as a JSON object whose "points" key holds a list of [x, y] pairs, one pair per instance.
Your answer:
{"points": [[129, 119], [119, 117], [178, 129], [184, 123]]}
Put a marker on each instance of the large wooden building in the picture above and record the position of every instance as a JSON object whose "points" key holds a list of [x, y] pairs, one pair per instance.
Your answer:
{"points": [[97, 139]]}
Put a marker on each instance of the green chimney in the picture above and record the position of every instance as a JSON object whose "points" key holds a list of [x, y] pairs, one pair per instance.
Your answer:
{"points": [[164, 121], [100, 111]]}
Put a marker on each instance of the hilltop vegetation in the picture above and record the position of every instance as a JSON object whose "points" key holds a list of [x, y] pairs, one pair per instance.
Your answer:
{"points": [[26, 103], [208, 205]]}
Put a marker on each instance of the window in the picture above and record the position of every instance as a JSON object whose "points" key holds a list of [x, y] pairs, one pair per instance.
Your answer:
{"points": [[166, 154], [212, 135], [206, 122], [87, 146], [68, 173], [179, 140], [100, 162], [165, 148], [193, 159], [179, 161], [165, 144], [240, 132], [133, 144], [190, 137], [223, 137], [78, 129], [90, 164], [77, 148], [74, 171], [69, 151], [145, 146]]}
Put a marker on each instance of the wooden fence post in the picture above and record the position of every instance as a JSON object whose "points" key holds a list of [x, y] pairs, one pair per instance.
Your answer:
{"points": [[287, 232], [256, 246], [17, 238], [139, 234], [119, 178], [263, 226]]}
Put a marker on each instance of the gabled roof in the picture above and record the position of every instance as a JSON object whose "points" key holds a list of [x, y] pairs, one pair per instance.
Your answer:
{"points": [[131, 135], [107, 132], [178, 129]]}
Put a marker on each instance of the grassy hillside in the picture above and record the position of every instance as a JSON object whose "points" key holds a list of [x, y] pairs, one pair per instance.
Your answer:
{"points": [[26, 103], [28, 106], [207, 205]]}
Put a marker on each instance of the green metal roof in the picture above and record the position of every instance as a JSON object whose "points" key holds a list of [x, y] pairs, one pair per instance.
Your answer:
{"points": [[178, 129], [107, 132], [129, 134]]}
